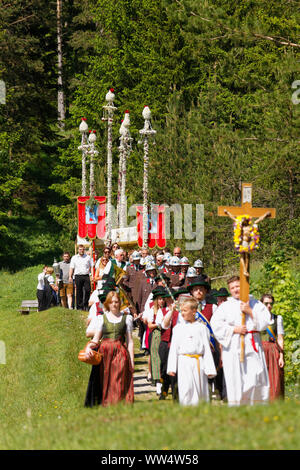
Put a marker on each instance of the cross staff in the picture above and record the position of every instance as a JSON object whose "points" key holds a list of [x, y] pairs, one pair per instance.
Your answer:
{"points": [[232, 212]]}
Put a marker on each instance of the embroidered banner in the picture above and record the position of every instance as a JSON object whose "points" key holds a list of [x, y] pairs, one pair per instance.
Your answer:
{"points": [[91, 220], [156, 226]]}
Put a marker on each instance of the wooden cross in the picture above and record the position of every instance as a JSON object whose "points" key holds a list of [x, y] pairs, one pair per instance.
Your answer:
{"points": [[245, 209]]}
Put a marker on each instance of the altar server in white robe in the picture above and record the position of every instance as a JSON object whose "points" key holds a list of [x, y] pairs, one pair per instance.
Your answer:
{"points": [[246, 382], [190, 356]]}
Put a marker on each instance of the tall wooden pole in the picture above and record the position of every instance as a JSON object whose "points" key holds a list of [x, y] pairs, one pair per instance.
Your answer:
{"points": [[83, 129], [146, 132], [245, 209], [109, 113]]}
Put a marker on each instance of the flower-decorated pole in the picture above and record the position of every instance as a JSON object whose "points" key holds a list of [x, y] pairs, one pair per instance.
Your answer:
{"points": [[92, 152], [121, 158], [127, 140], [246, 238], [145, 133], [83, 129], [108, 116]]}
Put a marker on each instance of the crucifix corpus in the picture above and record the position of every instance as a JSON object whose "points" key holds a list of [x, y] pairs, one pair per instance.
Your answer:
{"points": [[246, 238]]}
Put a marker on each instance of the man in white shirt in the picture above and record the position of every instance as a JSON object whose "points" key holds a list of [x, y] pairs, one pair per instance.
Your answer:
{"points": [[246, 382], [80, 267]]}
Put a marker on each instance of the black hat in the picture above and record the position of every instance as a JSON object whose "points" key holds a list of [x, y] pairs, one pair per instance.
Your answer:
{"points": [[223, 292], [199, 281], [169, 292], [102, 293], [180, 291], [159, 291]]}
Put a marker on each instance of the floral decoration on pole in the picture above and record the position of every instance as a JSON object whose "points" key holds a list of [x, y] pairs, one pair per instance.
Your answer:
{"points": [[125, 149], [92, 152], [83, 129], [146, 133], [109, 110]]}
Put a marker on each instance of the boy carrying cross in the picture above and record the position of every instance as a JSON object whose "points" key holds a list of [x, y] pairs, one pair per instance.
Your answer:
{"points": [[190, 356]]}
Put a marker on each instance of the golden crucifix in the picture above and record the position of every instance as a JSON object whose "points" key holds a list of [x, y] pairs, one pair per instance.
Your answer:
{"points": [[233, 212]]}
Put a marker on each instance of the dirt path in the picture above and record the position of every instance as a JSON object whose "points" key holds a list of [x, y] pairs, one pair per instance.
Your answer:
{"points": [[143, 389]]}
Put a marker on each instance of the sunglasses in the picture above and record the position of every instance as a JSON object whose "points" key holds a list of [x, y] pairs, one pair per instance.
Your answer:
{"points": [[268, 303]]}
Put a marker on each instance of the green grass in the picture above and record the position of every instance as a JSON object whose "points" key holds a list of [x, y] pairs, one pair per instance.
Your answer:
{"points": [[42, 389]]}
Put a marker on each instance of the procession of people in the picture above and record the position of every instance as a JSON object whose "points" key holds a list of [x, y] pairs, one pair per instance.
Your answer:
{"points": [[190, 333]]}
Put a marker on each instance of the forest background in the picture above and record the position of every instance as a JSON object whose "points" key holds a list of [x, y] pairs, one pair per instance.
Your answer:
{"points": [[220, 78]]}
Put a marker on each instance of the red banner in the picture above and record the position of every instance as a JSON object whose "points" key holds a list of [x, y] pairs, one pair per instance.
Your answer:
{"points": [[91, 221], [156, 227]]}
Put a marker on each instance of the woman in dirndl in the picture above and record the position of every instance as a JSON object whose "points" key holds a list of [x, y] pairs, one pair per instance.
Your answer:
{"points": [[155, 336], [114, 381], [273, 348]]}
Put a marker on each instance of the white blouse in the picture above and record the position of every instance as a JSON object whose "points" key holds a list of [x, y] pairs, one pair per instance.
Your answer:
{"points": [[97, 322]]}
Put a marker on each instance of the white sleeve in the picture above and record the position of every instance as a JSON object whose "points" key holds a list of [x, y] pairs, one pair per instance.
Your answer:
{"points": [[173, 352], [208, 360], [72, 263], [261, 316], [159, 318], [129, 323], [222, 330], [96, 324], [280, 329], [92, 311], [148, 301]]}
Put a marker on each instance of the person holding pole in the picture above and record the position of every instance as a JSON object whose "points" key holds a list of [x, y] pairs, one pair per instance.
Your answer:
{"points": [[246, 380]]}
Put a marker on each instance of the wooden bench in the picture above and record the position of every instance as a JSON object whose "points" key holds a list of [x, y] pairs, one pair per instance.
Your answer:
{"points": [[28, 306]]}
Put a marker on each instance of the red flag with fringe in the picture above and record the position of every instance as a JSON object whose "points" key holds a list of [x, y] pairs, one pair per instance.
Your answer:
{"points": [[91, 220], [156, 226]]}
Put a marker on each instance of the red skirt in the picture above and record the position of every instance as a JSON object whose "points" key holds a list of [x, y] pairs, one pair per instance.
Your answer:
{"points": [[116, 374], [276, 373]]}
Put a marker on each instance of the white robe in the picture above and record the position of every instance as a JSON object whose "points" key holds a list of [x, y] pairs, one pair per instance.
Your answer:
{"points": [[246, 382], [191, 338]]}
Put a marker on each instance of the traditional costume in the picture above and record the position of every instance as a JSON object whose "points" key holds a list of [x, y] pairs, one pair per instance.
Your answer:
{"points": [[246, 382], [272, 351], [190, 356], [112, 381]]}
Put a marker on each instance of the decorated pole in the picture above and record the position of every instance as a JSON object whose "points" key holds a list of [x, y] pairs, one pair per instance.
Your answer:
{"points": [[121, 158], [92, 152], [145, 133], [83, 129], [246, 239], [127, 140], [108, 116]]}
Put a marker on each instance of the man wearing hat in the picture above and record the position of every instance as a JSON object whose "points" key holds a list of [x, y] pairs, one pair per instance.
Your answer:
{"points": [[171, 313], [146, 285], [198, 265], [160, 262], [177, 279], [132, 277], [222, 295], [184, 267], [198, 288]]}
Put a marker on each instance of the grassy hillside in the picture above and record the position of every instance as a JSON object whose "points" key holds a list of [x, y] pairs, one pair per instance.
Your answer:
{"points": [[42, 389]]}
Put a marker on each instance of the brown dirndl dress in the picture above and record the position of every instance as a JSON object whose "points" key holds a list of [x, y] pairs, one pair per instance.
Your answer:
{"points": [[276, 374], [111, 381]]}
